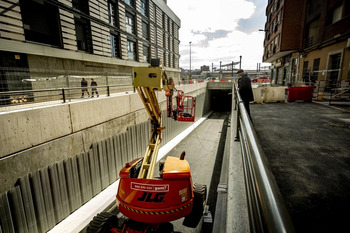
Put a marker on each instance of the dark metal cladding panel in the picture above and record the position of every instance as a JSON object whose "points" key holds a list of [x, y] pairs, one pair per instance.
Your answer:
{"points": [[95, 170], [129, 141], [6, 219], [76, 182], [134, 141], [56, 193], [111, 160], [117, 152], [87, 175], [103, 163], [63, 189], [28, 204], [67, 164], [48, 199], [82, 178], [124, 154], [138, 142], [19, 216], [39, 203]]}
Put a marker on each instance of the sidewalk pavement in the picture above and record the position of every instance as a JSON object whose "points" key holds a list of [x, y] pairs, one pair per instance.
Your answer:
{"points": [[307, 146]]}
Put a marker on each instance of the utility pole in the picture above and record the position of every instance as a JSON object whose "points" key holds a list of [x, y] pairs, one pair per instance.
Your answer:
{"points": [[240, 62], [232, 69], [190, 62], [220, 71]]}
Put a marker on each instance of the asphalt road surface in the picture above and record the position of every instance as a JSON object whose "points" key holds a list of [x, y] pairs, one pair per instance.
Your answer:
{"points": [[308, 148], [204, 151]]}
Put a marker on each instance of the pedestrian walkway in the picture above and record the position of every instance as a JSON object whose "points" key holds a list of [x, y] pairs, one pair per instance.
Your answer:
{"points": [[307, 146]]}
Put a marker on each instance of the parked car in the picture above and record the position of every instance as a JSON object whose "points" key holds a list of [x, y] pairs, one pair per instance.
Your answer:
{"points": [[260, 80]]}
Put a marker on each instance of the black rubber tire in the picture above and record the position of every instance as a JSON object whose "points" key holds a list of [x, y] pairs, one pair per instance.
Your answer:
{"points": [[200, 196], [102, 223]]}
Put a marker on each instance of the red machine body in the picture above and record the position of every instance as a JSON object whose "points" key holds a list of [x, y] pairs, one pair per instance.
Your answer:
{"points": [[158, 200]]}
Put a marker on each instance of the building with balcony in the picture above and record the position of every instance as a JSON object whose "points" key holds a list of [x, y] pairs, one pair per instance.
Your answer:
{"points": [[50, 40], [308, 41], [282, 38]]}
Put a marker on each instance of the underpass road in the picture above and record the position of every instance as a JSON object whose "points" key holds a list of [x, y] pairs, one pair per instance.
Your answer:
{"points": [[308, 148], [201, 148]]}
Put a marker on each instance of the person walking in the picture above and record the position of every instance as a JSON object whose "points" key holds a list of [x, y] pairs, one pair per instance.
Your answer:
{"points": [[245, 89], [93, 87], [84, 85]]}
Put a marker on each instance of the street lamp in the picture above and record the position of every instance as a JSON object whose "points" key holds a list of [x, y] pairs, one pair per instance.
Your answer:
{"points": [[190, 60]]}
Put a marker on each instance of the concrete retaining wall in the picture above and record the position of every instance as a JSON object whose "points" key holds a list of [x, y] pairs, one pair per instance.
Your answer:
{"points": [[35, 138]]}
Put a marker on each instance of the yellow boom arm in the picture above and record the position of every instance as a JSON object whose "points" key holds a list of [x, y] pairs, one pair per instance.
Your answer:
{"points": [[146, 81]]}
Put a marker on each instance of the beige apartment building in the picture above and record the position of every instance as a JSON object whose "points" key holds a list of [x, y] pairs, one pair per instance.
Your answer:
{"points": [[53, 43]]}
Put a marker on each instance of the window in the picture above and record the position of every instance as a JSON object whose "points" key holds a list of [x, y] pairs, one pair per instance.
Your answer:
{"points": [[315, 69], [113, 15], [334, 66], [169, 59], [144, 7], [41, 22], [83, 34], [130, 2], [165, 62], [168, 24], [316, 64], [337, 14], [145, 30], [115, 46], [82, 5], [131, 50], [169, 44], [313, 32], [314, 5], [130, 27], [146, 54]]}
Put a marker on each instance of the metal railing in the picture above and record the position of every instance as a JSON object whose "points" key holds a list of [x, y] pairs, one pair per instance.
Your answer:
{"points": [[10, 98], [266, 208]]}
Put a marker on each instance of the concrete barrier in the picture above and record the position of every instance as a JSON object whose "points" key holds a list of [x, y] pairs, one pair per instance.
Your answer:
{"points": [[274, 94], [257, 92]]}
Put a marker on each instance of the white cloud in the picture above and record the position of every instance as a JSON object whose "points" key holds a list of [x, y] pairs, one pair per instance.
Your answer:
{"points": [[212, 27]]}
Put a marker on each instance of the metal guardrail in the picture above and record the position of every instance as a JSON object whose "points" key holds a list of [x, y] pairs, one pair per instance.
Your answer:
{"points": [[65, 94], [266, 208]]}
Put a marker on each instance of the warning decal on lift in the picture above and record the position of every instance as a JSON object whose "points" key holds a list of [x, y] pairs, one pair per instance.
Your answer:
{"points": [[150, 187]]}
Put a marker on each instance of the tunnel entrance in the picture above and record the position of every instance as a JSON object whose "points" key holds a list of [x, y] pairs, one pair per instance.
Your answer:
{"points": [[220, 100]]}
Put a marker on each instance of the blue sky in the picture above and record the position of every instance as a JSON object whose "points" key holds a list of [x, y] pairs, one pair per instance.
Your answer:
{"points": [[220, 30]]}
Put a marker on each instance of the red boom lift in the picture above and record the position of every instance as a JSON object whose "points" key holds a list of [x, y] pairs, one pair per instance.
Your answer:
{"points": [[149, 200]]}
